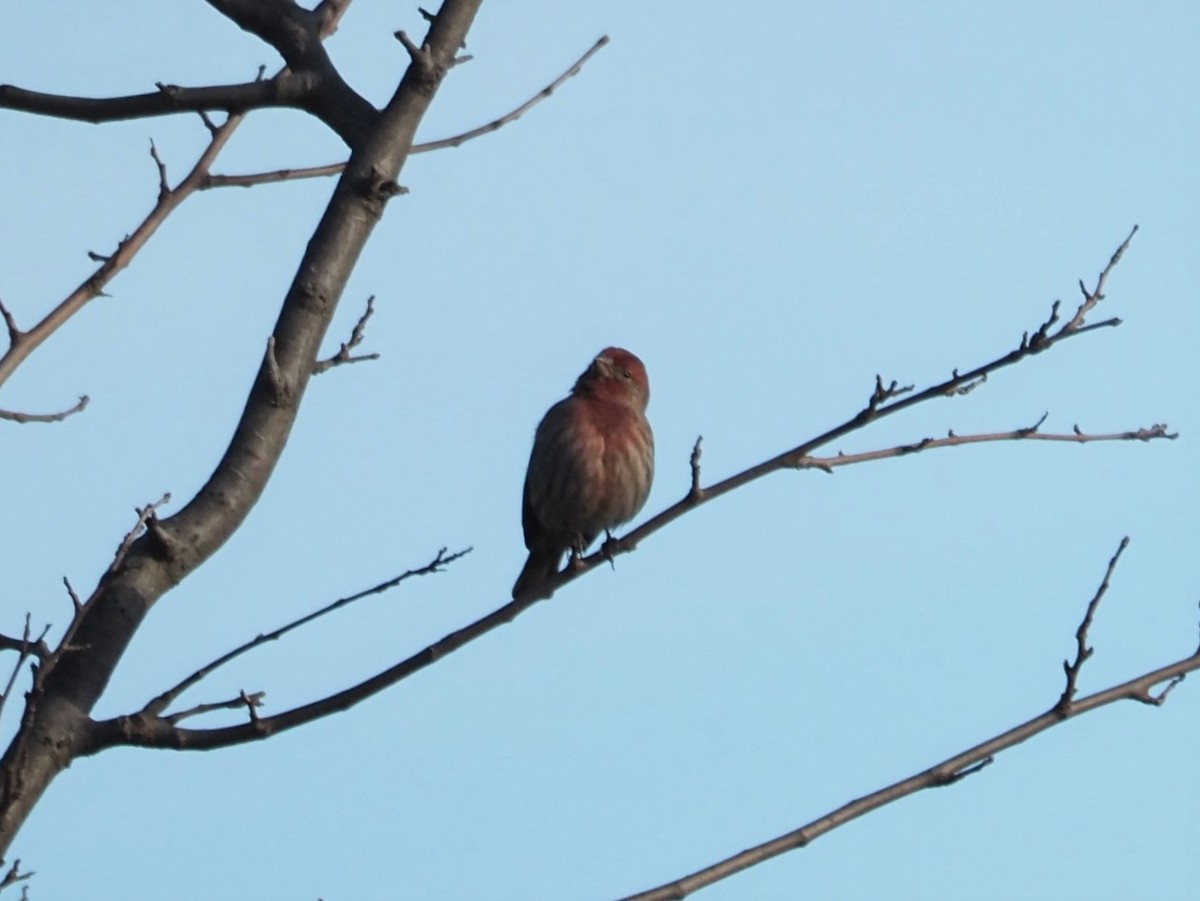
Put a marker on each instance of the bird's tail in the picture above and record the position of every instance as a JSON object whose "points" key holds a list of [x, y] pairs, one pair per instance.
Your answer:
{"points": [[530, 584]]}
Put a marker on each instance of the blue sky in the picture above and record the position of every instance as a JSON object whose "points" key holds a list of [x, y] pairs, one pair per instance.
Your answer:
{"points": [[769, 203]]}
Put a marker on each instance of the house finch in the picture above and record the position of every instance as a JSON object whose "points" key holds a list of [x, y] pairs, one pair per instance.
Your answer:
{"points": [[591, 465]]}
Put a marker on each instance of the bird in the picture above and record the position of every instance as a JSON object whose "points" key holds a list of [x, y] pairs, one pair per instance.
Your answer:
{"points": [[590, 469]]}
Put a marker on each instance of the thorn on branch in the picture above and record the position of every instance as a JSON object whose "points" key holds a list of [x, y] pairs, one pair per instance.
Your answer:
{"points": [[262, 71], [145, 515], [422, 57], [915, 448], [1082, 651], [343, 355], [164, 189], [14, 875], [14, 333], [941, 781], [1032, 429], [957, 390], [251, 701], [76, 604], [881, 393], [696, 493], [1158, 430], [208, 122], [1157, 700], [1040, 337]]}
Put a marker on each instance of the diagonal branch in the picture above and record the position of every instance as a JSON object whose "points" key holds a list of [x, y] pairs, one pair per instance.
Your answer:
{"points": [[159, 704], [1082, 651], [23, 343], [278, 175], [343, 356], [58, 715], [947, 772]]}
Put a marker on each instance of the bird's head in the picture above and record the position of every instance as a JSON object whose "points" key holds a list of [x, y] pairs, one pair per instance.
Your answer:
{"points": [[616, 375]]}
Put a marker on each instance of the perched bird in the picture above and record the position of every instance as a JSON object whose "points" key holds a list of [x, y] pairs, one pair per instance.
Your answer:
{"points": [[591, 465]]}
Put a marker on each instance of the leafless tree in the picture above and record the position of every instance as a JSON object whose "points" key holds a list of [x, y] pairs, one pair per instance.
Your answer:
{"points": [[69, 675]]}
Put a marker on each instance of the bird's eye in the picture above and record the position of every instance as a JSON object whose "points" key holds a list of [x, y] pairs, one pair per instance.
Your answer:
{"points": [[626, 373]]}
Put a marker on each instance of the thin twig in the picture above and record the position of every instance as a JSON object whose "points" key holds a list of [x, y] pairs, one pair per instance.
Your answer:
{"points": [[343, 356], [696, 492], [293, 174], [14, 875], [160, 703], [252, 700], [112, 264], [1029, 433], [1091, 298], [1082, 651], [29, 647], [14, 333], [15, 416], [145, 516], [948, 772]]}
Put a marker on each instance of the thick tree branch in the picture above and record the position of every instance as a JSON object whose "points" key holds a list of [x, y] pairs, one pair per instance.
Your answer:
{"points": [[309, 82], [284, 90], [55, 728], [948, 772]]}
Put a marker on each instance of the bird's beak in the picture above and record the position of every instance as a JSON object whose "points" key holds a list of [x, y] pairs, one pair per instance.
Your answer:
{"points": [[605, 365]]}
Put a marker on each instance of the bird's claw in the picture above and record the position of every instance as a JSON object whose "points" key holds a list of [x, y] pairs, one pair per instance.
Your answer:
{"points": [[607, 548]]}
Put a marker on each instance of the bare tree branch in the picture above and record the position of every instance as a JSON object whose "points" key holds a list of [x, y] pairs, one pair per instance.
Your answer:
{"points": [[58, 713], [343, 356], [14, 333], [19, 417], [146, 515], [14, 875], [284, 90], [521, 110], [93, 286], [309, 82], [157, 705], [1082, 651], [26, 647], [278, 175], [948, 772], [1029, 433]]}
